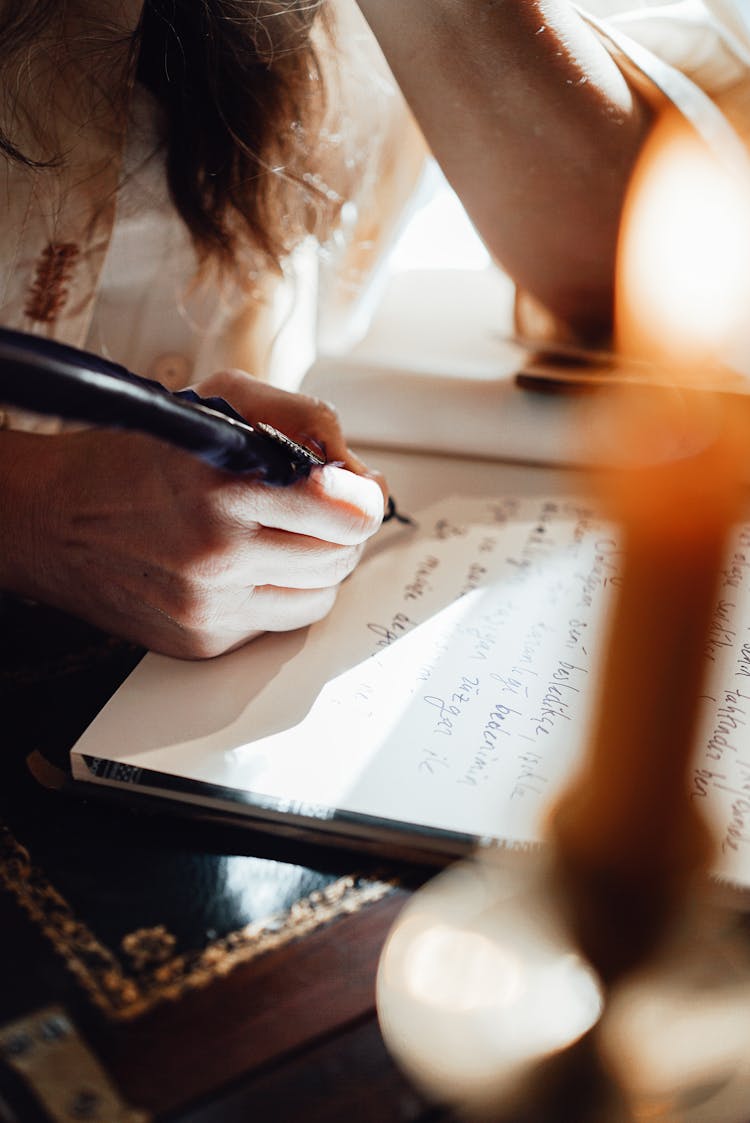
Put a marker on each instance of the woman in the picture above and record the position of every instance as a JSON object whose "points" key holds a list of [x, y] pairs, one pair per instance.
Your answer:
{"points": [[169, 169]]}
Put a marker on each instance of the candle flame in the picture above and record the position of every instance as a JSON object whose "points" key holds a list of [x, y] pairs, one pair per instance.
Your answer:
{"points": [[683, 292]]}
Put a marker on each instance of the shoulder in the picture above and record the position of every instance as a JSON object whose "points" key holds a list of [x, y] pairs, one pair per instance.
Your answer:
{"points": [[707, 40], [371, 153], [695, 52]]}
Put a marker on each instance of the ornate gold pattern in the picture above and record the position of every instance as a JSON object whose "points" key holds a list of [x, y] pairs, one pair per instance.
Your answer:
{"points": [[147, 946], [101, 973]]}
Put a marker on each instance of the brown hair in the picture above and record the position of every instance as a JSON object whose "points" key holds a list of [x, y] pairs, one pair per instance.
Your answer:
{"points": [[241, 92]]}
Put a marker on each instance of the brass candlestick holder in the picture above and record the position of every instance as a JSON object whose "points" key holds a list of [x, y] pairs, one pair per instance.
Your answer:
{"points": [[488, 1005]]}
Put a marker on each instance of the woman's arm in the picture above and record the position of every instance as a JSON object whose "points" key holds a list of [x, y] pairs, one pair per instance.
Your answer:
{"points": [[536, 129]]}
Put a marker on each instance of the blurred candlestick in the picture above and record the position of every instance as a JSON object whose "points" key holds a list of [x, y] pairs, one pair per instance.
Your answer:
{"points": [[483, 994], [628, 838]]}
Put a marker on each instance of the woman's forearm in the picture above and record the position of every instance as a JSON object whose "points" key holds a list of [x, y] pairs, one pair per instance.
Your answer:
{"points": [[534, 126], [25, 498]]}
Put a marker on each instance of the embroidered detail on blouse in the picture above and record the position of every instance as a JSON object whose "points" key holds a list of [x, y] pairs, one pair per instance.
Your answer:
{"points": [[50, 288]]}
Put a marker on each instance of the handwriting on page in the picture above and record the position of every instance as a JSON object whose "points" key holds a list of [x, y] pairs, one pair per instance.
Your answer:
{"points": [[721, 779], [492, 689], [454, 684], [471, 660], [451, 686]]}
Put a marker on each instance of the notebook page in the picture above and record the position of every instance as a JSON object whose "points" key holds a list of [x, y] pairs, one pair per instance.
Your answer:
{"points": [[453, 686]]}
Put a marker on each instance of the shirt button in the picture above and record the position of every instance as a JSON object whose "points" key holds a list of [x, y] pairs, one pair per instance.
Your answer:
{"points": [[171, 369]]}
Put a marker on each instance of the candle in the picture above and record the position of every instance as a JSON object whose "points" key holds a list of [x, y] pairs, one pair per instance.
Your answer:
{"points": [[628, 838], [482, 988]]}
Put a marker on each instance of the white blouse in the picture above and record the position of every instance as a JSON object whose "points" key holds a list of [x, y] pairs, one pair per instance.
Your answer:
{"points": [[125, 265]]}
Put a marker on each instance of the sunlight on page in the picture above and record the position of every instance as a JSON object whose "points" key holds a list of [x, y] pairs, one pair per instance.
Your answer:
{"points": [[447, 697], [460, 710], [443, 688]]}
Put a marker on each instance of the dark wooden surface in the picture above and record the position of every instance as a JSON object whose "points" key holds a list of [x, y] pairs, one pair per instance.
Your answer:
{"points": [[216, 974], [263, 1017], [270, 1032], [292, 1033]]}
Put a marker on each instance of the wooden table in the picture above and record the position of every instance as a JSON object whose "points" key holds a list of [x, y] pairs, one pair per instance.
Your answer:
{"points": [[215, 973]]}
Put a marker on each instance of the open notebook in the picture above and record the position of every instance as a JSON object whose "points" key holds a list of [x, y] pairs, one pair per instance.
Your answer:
{"points": [[447, 698]]}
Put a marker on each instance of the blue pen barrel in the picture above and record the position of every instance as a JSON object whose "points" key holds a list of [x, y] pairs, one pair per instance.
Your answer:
{"points": [[46, 377]]}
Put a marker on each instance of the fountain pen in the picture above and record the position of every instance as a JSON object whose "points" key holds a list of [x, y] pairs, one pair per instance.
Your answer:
{"points": [[46, 377]]}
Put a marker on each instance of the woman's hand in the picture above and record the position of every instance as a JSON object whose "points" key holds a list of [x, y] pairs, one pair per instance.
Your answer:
{"points": [[151, 544], [307, 420]]}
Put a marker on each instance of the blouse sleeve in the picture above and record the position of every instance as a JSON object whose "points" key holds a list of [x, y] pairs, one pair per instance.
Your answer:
{"points": [[691, 54], [372, 156]]}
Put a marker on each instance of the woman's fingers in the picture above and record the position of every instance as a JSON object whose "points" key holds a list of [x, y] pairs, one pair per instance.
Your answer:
{"points": [[305, 419], [332, 504], [272, 609], [296, 561], [263, 608]]}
